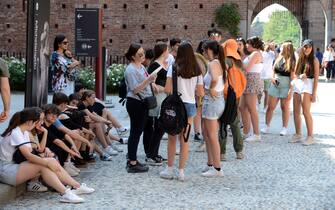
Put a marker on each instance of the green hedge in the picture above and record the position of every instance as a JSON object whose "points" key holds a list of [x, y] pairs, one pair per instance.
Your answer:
{"points": [[17, 71]]}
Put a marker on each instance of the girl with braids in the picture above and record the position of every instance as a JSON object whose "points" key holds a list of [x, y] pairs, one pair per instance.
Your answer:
{"points": [[16, 137], [304, 88]]}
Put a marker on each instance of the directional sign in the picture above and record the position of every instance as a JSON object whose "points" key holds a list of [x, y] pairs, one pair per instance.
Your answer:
{"points": [[87, 32]]}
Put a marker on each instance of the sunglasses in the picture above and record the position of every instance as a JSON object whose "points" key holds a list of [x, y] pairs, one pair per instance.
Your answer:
{"points": [[65, 43], [215, 34]]}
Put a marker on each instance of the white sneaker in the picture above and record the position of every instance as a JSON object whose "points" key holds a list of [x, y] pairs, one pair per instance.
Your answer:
{"points": [[36, 186], [109, 150], [206, 168], [116, 148], [122, 131], [72, 166], [69, 170], [70, 197], [283, 132], [201, 148], [253, 138], [166, 174], [181, 177], [83, 189], [212, 172], [266, 129]]}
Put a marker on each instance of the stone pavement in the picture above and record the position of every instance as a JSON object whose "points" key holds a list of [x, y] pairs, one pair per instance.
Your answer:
{"points": [[273, 175]]}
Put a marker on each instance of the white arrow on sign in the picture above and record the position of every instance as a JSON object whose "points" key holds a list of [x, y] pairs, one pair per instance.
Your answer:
{"points": [[79, 16]]}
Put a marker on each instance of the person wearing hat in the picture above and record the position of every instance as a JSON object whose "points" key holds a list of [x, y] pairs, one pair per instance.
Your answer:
{"points": [[5, 90], [233, 60], [305, 88]]}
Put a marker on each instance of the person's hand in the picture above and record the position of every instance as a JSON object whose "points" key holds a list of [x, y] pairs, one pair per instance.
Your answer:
{"points": [[155, 88], [313, 98], [75, 154], [53, 165], [213, 93], [4, 115], [42, 129], [48, 153], [152, 78], [88, 119], [303, 76]]}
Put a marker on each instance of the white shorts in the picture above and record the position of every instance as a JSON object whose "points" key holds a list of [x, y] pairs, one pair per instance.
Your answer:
{"points": [[303, 86]]}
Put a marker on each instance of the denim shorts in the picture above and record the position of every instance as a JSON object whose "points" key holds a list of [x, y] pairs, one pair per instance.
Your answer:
{"points": [[280, 91], [191, 109], [212, 108], [8, 171]]}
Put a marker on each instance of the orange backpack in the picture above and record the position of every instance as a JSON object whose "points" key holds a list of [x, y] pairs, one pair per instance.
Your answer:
{"points": [[236, 79]]}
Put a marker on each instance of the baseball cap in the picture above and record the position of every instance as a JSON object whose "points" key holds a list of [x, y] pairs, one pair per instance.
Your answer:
{"points": [[307, 42]]}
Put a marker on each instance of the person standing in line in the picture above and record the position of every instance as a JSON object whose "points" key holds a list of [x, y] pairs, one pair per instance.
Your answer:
{"points": [[190, 84], [138, 86], [328, 62], [5, 90], [280, 87], [305, 87], [153, 132], [213, 105], [266, 75], [253, 65]]}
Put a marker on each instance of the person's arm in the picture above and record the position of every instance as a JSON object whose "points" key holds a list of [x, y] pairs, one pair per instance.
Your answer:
{"points": [[5, 95], [168, 86], [43, 141], [316, 78], [214, 71], [254, 57], [151, 78], [74, 135], [96, 117], [62, 145]]}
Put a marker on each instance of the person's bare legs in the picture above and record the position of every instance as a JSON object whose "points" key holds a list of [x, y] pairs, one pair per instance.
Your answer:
{"points": [[306, 109], [197, 121], [266, 99], [28, 171], [184, 147], [297, 113], [171, 149], [212, 127], [108, 115], [272, 103], [208, 145], [244, 115], [251, 100], [100, 134], [285, 108]]}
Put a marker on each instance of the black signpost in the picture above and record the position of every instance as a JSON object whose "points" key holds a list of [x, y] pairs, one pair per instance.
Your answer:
{"points": [[36, 93], [88, 40]]}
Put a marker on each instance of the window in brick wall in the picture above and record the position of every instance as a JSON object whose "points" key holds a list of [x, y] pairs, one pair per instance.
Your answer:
{"points": [[141, 41], [9, 40], [164, 27], [185, 27], [56, 25], [105, 6], [8, 25], [176, 6], [201, 6], [84, 5], [143, 26], [146, 6], [63, 6], [124, 26], [213, 25], [8, 6], [103, 25], [110, 40], [124, 6], [24, 5]]}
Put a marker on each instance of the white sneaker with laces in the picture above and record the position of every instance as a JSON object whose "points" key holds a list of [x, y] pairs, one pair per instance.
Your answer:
{"points": [[206, 168], [72, 166], [83, 189], [70, 197], [212, 172], [69, 170], [116, 148], [122, 131], [109, 150], [283, 132], [166, 174], [36, 186], [181, 177], [266, 129], [253, 138]]}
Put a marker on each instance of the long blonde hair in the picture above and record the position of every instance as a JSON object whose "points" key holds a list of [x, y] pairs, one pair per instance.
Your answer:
{"points": [[288, 54]]}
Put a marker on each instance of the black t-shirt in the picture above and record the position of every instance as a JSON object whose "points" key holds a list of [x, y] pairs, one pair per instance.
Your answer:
{"points": [[161, 76], [53, 134], [70, 124], [97, 108], [280, 69]]}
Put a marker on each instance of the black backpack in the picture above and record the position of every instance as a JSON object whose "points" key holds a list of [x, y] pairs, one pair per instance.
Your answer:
{"points": [[123, 91], [173, 115], [230, 109]]}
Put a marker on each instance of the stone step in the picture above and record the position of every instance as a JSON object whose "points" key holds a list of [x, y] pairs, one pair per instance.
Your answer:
{"points": [[8, 193]]}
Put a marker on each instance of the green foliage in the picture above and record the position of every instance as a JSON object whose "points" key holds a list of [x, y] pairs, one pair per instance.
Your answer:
{"points": [[17, 71], [115, 74], [228, 17], [282, 26], [87, 77]]}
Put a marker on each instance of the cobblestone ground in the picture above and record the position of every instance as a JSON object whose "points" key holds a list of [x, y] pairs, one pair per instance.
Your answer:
{"points": [[273, 175]]}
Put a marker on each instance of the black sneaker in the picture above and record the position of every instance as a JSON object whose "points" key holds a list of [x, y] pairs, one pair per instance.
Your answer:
{"points": [[156, 161], [137, 168], [164, 160], [197, 137]]}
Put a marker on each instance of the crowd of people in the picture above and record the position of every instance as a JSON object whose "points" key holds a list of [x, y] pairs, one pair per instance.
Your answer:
{"points": [[47, 145]]}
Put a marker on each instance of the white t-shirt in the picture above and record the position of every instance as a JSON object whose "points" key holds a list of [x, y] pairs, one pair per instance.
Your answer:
{"points": [[328, 56], [8, 143], [208, 79], [187, 87], [268, 58], [170, 60]]}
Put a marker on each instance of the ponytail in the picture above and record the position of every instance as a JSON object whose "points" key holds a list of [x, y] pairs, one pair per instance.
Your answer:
{"points": [[222, 57], [13, 123]]}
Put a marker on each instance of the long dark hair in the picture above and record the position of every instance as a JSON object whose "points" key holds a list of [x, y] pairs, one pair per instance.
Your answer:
{"points": [[256, 42], [19, 118], [58, 39], [245, 51], [186, 64], [159, 49], [218, 52], [305, 64]]}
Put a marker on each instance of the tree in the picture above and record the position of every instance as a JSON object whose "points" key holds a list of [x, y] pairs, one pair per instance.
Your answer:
{"points": [[282, 26], [228, 17]]}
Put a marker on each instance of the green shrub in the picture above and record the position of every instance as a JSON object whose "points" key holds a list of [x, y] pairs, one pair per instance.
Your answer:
{"points": [[115, 74], [228, 17], [87, 77], [17, 70]]}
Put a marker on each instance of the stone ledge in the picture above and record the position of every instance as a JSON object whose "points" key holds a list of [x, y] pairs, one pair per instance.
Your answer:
{"points": [[8, 193]]}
